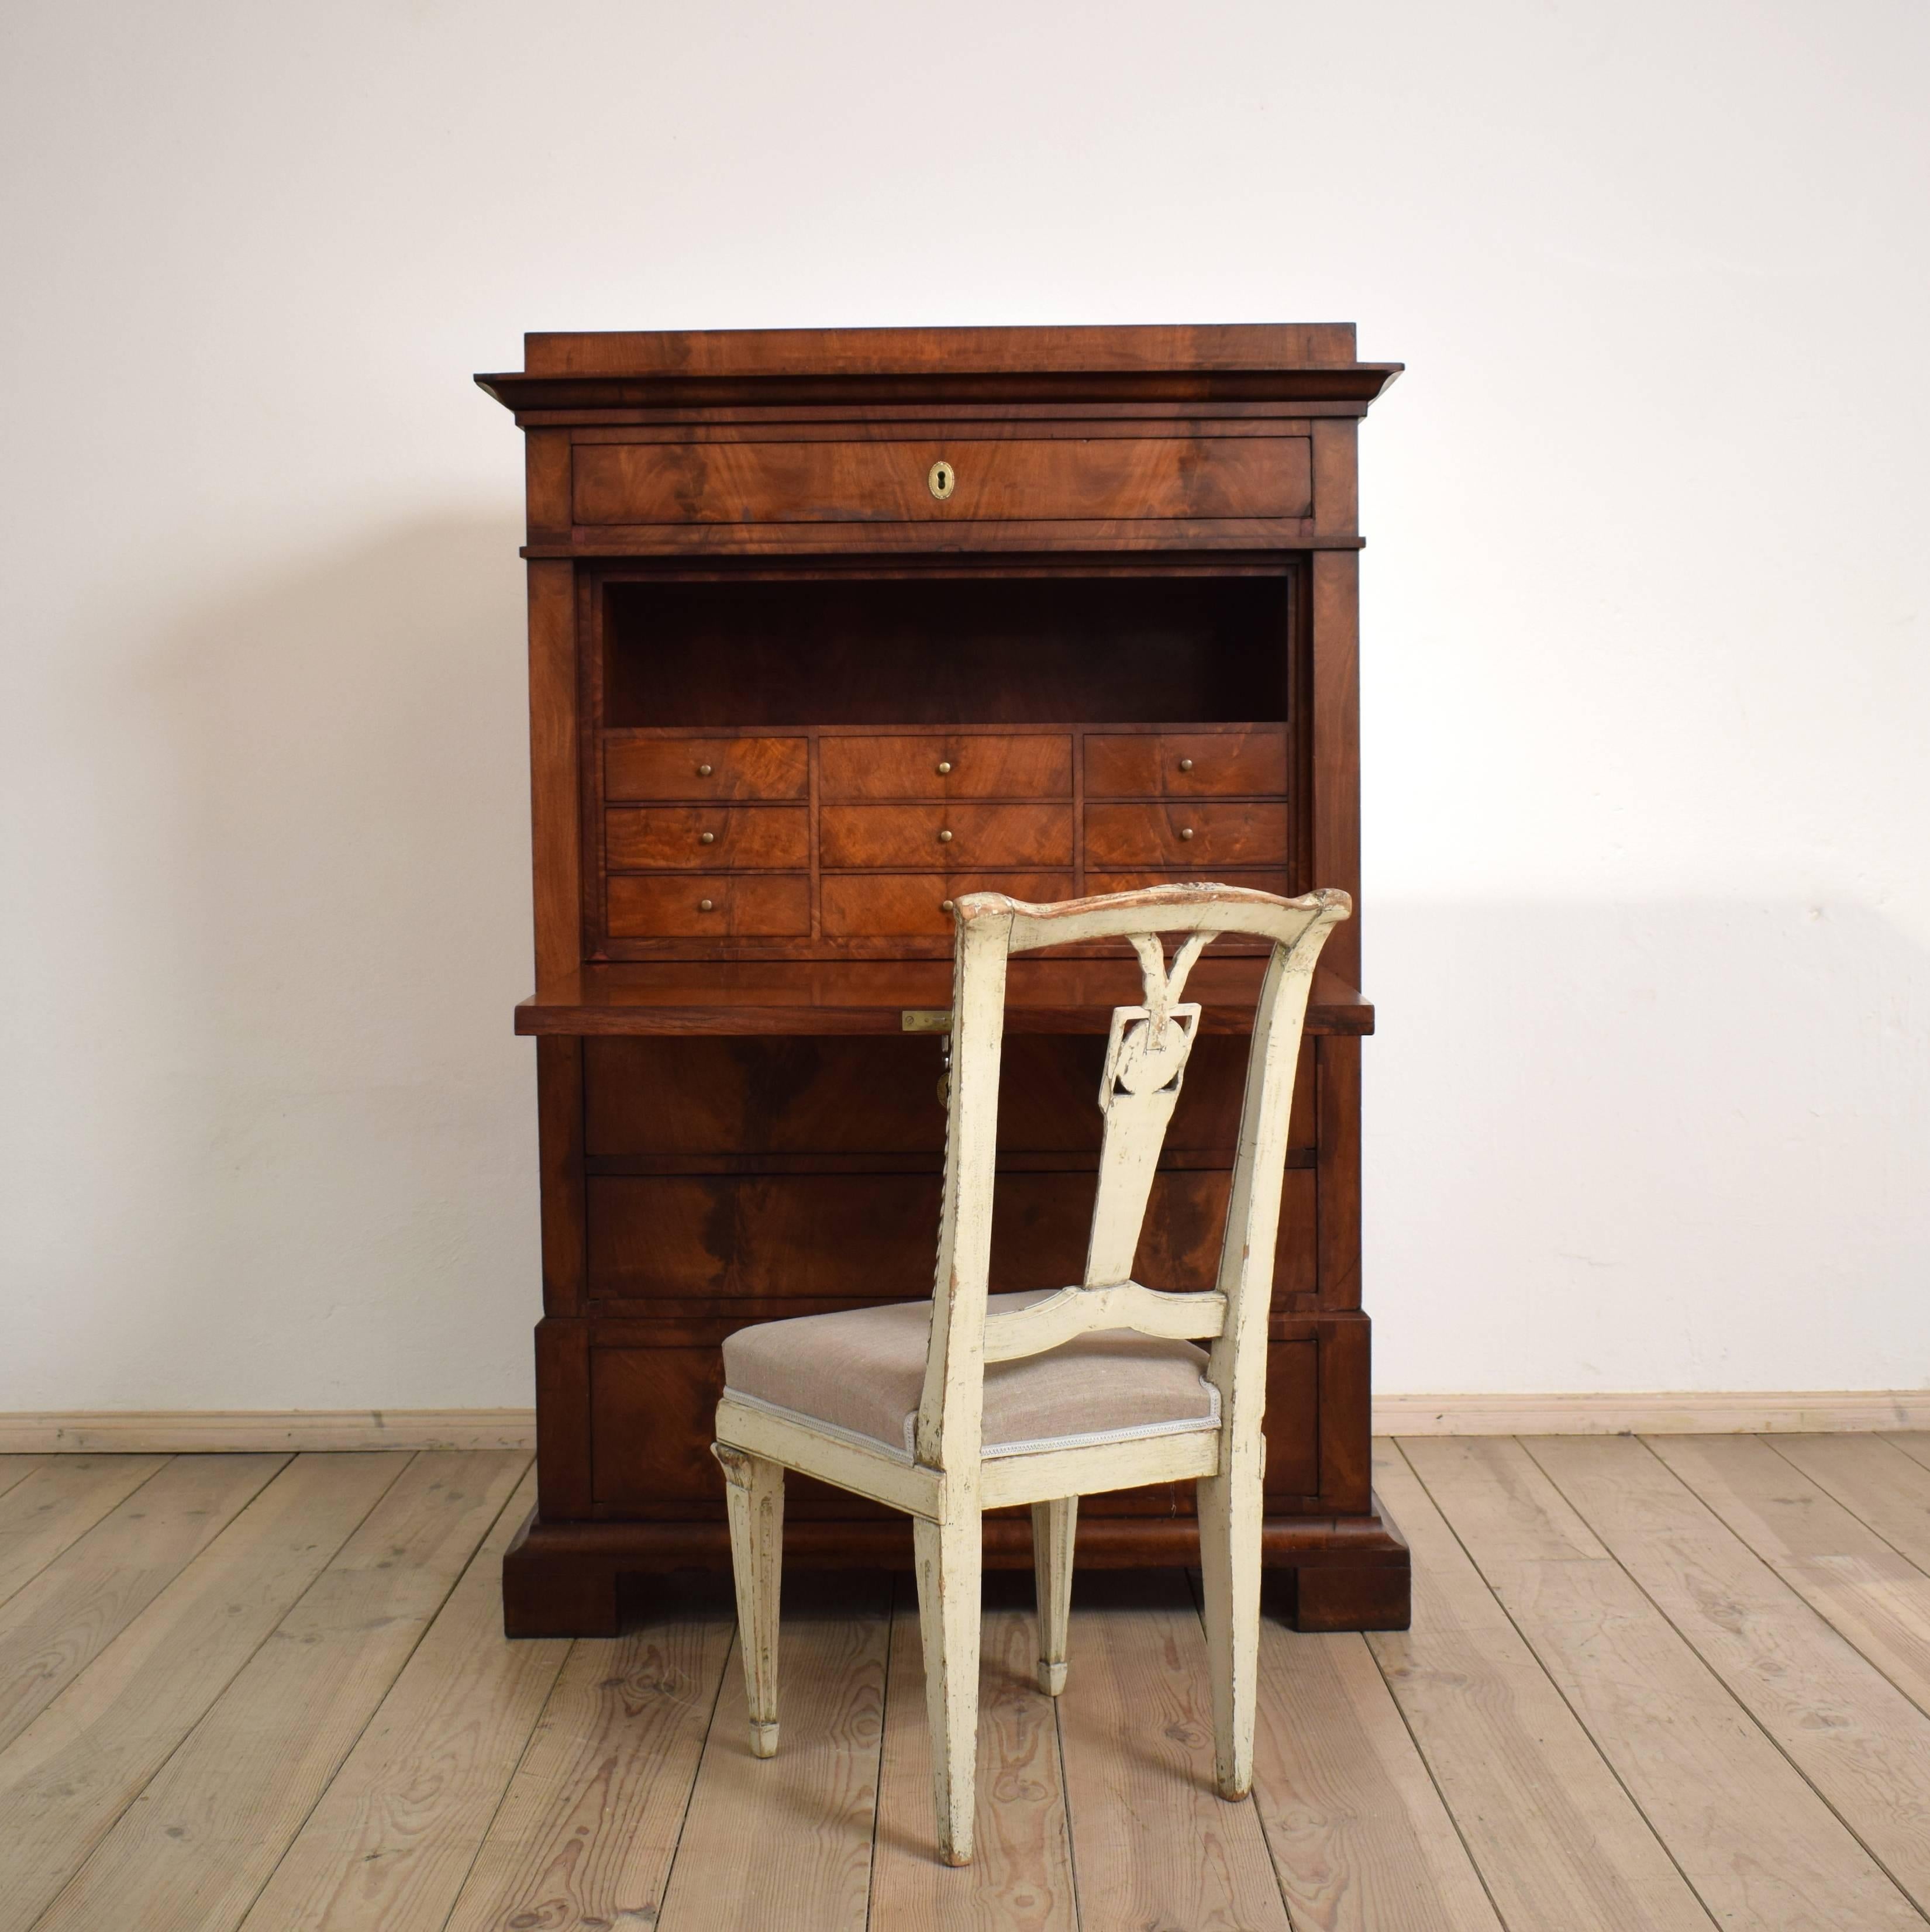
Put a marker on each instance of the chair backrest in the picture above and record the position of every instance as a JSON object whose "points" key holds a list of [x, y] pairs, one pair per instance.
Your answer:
{"points": [[1145, 1062]]}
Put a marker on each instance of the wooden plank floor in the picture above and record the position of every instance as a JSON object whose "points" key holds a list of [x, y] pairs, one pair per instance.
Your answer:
{"points": [[1676, 1683]]}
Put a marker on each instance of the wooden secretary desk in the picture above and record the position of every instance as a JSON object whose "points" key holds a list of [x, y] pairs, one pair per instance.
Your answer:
{"points": [[827, 627]]}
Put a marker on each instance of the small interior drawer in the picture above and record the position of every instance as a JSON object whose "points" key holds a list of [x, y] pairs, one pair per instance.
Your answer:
{"points": [[1196, 835], [1187, 764], [706, 768], [698, 905], [855, 905], [705, 837], [967, 765], [906, 836]]}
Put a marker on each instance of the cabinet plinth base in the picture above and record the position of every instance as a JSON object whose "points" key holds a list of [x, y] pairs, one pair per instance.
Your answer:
{"points": [[1329, 1573]]}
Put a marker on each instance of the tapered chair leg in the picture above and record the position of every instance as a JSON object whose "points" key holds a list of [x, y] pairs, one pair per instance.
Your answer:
{"points": [[1229, 1561], [754, 1490], [1053, 1525], [949, 1558]]}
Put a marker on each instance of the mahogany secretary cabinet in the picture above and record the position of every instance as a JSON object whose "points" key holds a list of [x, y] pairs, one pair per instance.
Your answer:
{"points": [[827, 627]]}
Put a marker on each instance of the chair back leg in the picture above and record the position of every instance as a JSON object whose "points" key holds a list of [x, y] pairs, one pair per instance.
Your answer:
{"points": [[949, 1558], [754, 1492], [1053, 1526], [1229, 1562]]}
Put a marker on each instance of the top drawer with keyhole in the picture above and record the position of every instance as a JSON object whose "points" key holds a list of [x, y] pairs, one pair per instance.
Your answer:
{"points": [[964, 765], [761, 479], [706, 768]]}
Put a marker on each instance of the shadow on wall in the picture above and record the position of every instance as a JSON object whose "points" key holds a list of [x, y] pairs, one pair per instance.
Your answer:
{"points": [[347, 1214], [1657, 1146]]}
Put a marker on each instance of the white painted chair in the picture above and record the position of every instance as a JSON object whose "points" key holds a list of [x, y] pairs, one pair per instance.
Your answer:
{"points": [[947, 1408]]}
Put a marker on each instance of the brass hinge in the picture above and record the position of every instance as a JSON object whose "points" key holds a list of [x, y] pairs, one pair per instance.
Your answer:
{"points": [[925, 1019]]}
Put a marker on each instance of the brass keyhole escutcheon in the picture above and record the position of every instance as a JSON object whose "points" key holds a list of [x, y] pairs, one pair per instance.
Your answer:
{"points": [[941, 479]]}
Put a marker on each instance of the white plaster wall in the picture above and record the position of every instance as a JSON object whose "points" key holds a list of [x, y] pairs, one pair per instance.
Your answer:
{"points": [[1646, 706]]}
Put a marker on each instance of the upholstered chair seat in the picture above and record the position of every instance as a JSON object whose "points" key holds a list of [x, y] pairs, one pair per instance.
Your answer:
{"points": [[861, 1372]]}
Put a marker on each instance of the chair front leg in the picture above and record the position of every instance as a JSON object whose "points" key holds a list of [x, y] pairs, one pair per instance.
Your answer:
{"points": [[754, 1489], [949, 1558], [1230, 1509], [1053, 1526]]}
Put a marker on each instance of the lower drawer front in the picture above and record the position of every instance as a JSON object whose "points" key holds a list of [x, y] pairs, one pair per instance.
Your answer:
{"points": [[858, 904], [900, 836], [871, 1236], [652, 1412], [1194, 834], [686, 1095], [710, 906], [652, 1420]]}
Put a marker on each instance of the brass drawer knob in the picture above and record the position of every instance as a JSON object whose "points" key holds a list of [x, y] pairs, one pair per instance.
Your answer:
{"points": [[941, 479], [945, 838], [1186, 764], [1186, 831], [706, 905], [948, 906], [710, 838], [944, 768], [703, 771]]}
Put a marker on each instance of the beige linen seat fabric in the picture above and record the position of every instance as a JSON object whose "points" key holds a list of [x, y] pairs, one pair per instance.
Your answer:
{"points": [[862, 1371]]}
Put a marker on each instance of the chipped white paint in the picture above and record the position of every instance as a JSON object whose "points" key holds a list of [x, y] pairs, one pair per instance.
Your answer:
{"points": [[950, 1483], [754, 1489]]}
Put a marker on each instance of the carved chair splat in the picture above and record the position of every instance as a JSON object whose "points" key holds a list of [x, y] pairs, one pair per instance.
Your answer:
{"points": [[1095, 1387]]}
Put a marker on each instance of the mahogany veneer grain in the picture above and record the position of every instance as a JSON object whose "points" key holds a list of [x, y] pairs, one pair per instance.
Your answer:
{"points": [[757, 635]]}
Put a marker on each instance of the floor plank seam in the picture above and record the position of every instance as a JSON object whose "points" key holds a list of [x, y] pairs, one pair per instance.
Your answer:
{"points": [[1668, 1850], [1196, 1588], [488, 1831], [1876, 1663], [86, 1529], [730, 1655], [1917, 1448], [1447, 1809], [884, 1732], [458, 1890], [376, 1710], [884, 1706], [110, 1824], [1689, 1643], [1849, 1508], [1065, 1796], [19, 1476]]}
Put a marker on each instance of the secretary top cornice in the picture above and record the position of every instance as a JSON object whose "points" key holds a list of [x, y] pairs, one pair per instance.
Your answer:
{"points": [[1312, 364]]}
